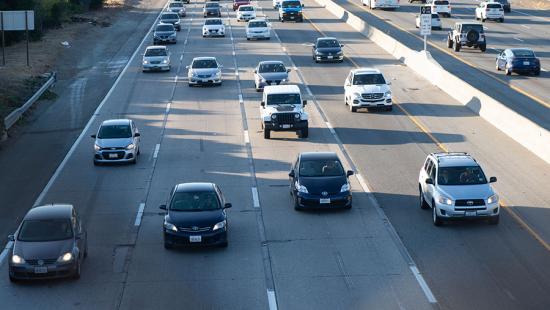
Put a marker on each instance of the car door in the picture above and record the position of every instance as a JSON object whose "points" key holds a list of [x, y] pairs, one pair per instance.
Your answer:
{"points": [[347, 84], [135, 131], [292, 179], [424, 175], [80, 238], [501, 60], [430, 188]]}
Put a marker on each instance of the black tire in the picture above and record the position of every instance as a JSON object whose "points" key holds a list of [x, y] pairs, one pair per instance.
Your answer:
{"points": [[352, 109], [304, 133], [267, 134], [12, 279], [76, 274], [247, 39], [167, 245], [423, 204], [96, 163], [190, 85], [483, 47], [472, 36], [224, 244], [449, 43], [507, 71], [494, 220], [502, 20], [482, 20], [437, 221], [297, 205], [457, 47]]}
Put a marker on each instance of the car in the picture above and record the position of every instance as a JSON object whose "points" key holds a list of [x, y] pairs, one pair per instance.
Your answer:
{"points": [[246, 13], [421, 1], [156, 58], [505, 5], [327, 49], [276, 4], [258, 28], [238, 3], [213, 27], [519, 60], [441, 7], [270, 72], [381, 4], [318, 180], [291, 10], [211, 9], [454, 186], [436, 22], [469, 34], [164, 33], [282, 109], [182, 1], [50, 242], [116, 141], [195, 215], [204, 71], [367, 88], [490, 11], [176, 7], [171, 18]]}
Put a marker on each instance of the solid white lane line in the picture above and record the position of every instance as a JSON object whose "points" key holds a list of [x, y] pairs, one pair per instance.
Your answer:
{"points": [[237, 72], [246, 137], [309, 92], [525, 26], [330, 128], [255, 197], [272, 300], [233, 53], [515, 38], [241, 98], [5, 252], [139, 214], [156, 153], [423, 284], [181, 57], [168, 107]]}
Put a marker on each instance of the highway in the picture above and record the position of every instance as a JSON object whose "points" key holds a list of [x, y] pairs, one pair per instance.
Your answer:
{"points": [[375, 256]]}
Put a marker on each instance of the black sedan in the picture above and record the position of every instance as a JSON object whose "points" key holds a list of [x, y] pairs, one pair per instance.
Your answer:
{"points": [[519, 60], [318, 180], [327, 49], [195, 216], [49, 243]]}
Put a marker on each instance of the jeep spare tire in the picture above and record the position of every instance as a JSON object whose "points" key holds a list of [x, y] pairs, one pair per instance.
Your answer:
{"points": [[472, 36]]}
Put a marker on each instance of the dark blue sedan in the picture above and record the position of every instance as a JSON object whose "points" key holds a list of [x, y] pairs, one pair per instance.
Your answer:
{"points": [[519, 60]]}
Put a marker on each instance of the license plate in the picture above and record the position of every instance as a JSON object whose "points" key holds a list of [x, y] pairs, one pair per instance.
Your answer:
{"points": [[291, 17], [324, 200], [526, 63], [40, 269], [113, 155], [470, 213], [285, 126], [329, 57], [195, 239]]}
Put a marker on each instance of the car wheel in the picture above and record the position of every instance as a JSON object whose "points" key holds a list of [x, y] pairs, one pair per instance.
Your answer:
{"points": [[352, 108], [423, 204], [449, 43], [167, 245], [436, 218], [247, 39], [497, 67], [267, 134], [482, 20], [502, 20], [224, 244], [76, 274], [507, 71], [296, 204], [494, 220], [12, 279], [483, 47], [457, 47], [304, 133]]}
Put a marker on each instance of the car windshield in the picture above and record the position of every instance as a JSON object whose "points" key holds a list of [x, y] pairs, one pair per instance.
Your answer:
{"points": [[114, 132], [45, 230], [523, 53], [266, 68], [257, 24], [368, 79], [494, 5], [469, 175], [291, 4], [165, 28], [176, 5], [195, 201], [328, 43], [476, 27], [321, 168], [152, 52], [212, 5], [246, 8], [213, 22], [276, 99], [204, 63], [169, 16], [441, 2]]}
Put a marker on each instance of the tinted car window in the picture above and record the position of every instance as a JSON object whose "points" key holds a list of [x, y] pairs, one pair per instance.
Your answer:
{"points": [[212, 5], [476, 27], [176, 5], [165, 28], [257, 24], [195, 201], [461, 176], [169, 16], [441, 2], [156, 52], [494, 5], [213, 22], [204, 63], [368, 79], [264, 68], [291, 4], [328, 43], [523, 53], [45, 230], [114, 132], [321, 168], [246, 8], [283, 99]]}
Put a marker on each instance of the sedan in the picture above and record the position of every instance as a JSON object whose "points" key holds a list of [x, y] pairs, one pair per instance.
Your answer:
{"points": [[270, 73], [195, 215], [318, 180], [204, 71], [116, 141], [164, 33], [49, 243], [211, 9], [258, 28], [519, 60], [176, 7], [171, 18], [327, 49], [436, 22], [213, 27], [156, 58]]}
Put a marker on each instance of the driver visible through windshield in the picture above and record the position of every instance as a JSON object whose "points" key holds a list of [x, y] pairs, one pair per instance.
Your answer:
{"points": [[368, 79], [204, 63], [195, 201], [470, 175], [327, 43], [265, 68]]}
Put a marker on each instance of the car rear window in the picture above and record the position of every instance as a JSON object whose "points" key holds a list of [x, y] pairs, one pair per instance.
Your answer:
{"points": [[369, 79], [435, 16], [165, 28], [152, 52], [45, 230], [439, 2], [494, 5], [114, 132], [212, 5], [321, 168], [195, 201], [476, 27], [523, 53], [470, 175]]}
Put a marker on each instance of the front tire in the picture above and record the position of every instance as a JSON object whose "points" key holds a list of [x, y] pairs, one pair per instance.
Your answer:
{"points": [[77, 271], [304, 133], [267, 133], [449, 43], [507, 71], [456, 47], [423, 204], [436, 218]]}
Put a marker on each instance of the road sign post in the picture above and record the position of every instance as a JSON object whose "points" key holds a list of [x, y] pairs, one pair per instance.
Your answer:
{"points": [[425, 23], [16, 21]]}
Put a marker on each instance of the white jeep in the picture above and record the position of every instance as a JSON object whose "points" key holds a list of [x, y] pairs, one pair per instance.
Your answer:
{"points": [[282, 109]]}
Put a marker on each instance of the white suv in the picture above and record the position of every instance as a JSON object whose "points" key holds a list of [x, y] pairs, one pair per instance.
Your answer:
{"points": [[441, 7], [455, 187], [491, 11], [367, 88]]}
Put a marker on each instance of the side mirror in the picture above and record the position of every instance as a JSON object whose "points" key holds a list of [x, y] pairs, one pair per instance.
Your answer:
{"points": [[304, 102], [11, 238], [349, 173], [227, 205], [429, 181], [341, 45], [186, 67], [137, 134], [347, 84], [288, 70], [255, 71], [262, 103], [220, 66], [93, 136], [303, 5], [162, 207], [492, 179], [388, 83], [291, 174]]}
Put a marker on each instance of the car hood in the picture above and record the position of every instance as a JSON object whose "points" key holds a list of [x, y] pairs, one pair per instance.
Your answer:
{"points": [[283, 108], [206, 71], [106, 143], [195, 218], [164, 33], [454, 192], [327, 50], [212, 9], [317, 185], [43, 250], [259, 29], [155, 58], [381, 88], [214, 27], [176, 10], [273, 75]]}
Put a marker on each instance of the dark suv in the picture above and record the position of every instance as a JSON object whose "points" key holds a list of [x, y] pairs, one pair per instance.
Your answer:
{"points": [[469, 34]]}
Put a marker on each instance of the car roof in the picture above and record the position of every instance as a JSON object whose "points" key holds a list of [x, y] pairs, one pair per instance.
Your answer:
{"points": [[455, 159], [281, 89], [258, 19], [170, 13], [195, 187], [318, 155], [246, 5], [365, 71], [156, 47], [212, 18], [469, 23], [120, 121], [48, 212], [204, 58]]}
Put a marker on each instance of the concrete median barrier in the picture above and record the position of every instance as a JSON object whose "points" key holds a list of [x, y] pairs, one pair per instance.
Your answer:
{"points": [[532, 136]]}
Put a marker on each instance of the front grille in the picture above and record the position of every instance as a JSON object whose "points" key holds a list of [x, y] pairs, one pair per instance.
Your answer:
{"points": [[194, 229], [469, 202], [372, 96], [34, 262], [203, 76], [269, 82], [119, 155], [155, 62], [285, 118]]}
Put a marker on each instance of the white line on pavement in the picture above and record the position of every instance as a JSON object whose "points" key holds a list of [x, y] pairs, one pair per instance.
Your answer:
{"points": [[309, 92], [518, 39], [423, 284], [272, 300], [330, 128], [255, 197], [241, 98], [525, 26], [181, 57], [139, 214], [168, 107], [246, 137], [5, 251], [156, 153], [237, 72]]}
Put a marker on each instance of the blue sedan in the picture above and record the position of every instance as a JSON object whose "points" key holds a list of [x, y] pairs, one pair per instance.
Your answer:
{"points": [[519, 60]]}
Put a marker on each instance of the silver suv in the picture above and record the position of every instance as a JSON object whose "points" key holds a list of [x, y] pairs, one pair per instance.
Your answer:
{"points": [[455, 187]]}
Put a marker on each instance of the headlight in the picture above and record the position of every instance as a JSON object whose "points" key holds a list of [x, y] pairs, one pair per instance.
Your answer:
{"points": [[18, 260], [177, 23], [218, 74], [345, 188], [262, 80], [130, 146], [284, 80], [170, 226], [145, 62], [194, 74], [165, 61], [65, 258], [388, 94], [97, 147], [446, 201], [339, 53], [492, 199], [220, 225], [356, 95], [300, 188], [319, 53], [297, 115], [273, 116], [173, 35]]}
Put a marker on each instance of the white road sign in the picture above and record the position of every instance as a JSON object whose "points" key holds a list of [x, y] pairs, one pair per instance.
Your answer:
{"points": [[425, 25], [15, 20]]}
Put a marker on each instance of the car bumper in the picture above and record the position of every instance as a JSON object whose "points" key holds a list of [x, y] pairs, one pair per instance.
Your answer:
{"points": [[329, 58], [494, 17], [213, 34], [263, 84], [205, 81], [525, 68], [452, 212], [245, 18], [360, 103], [292, 17], [260, 35], [286, 127], [156, 67], [341, 200], [167, 40], [118, 156], [184, 238], [52, 271]]}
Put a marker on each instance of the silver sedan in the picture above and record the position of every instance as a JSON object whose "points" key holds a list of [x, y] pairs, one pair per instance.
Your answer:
{"points": [[156, 58]]}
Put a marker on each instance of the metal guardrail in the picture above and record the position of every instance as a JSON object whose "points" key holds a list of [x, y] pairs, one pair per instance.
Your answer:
{"points": [[14, 116]]}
